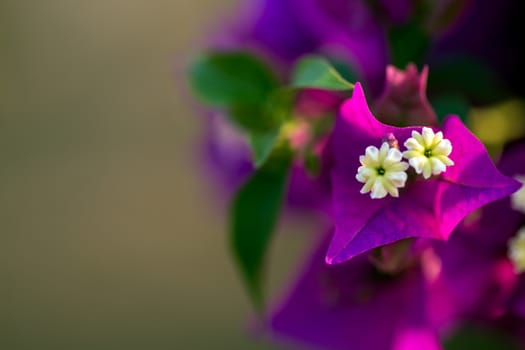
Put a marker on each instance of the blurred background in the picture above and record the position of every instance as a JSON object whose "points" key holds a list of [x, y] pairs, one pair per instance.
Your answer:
{"points": [[112, 234], [111, 238]]}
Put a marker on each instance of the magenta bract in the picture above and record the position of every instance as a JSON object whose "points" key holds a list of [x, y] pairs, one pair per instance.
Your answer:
{"points": [[352, 306], [425, 208]]}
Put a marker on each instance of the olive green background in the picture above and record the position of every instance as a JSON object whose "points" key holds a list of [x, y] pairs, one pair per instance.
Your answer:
{"points": [[111, 236]]}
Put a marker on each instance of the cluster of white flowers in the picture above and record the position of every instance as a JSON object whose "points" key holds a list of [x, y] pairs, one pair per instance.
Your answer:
{"points": [[383, 171]]}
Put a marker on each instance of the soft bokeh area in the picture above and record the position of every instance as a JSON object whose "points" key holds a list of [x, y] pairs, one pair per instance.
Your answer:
{"points": [[115, 181], [110, 236]]}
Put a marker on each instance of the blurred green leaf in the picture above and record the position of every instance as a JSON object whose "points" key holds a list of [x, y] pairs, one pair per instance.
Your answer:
{"points": [[408, 43], [280, 105], [236, 81], [231, 78], [451, 104], [344, 69], [466, 76], [262, 145], [474, 338], [317, 72], [254, 214], [278, 110], [252, 118]]}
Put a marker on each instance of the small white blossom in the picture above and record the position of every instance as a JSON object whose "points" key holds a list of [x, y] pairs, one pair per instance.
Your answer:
{"points": [[428, 153], [517, 251], [518, 197], [382, 171]]}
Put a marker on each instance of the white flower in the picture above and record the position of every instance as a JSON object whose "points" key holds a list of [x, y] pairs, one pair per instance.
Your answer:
{"points": [[517, 251], [518, 197], [428, 153], [382, 171]]}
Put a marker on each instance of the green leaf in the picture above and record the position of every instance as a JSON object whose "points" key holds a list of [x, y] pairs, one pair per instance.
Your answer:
{"points": [[408, 43], [480, 339], [254, 214], [451, 104], [280, 104], [228, 79], [252, 118], [262, 145], [316, 72], [278, 110], [344, 69]]}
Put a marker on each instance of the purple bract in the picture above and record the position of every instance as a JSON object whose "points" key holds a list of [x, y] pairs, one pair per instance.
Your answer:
{"points": [[425, 208]]}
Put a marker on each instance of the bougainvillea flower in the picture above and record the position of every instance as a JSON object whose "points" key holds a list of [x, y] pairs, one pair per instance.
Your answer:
{"points": [[510, 231], [404, 100], [425, 208], [353, 306], [477, 265], [478, 282], [493, 232], [480, 264]]}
